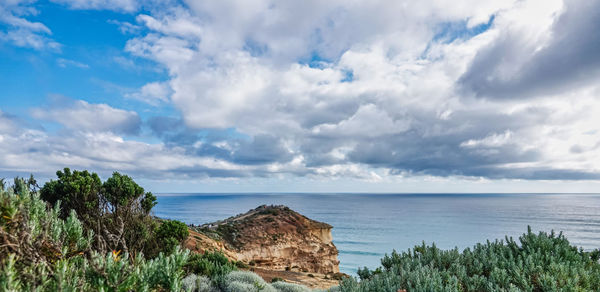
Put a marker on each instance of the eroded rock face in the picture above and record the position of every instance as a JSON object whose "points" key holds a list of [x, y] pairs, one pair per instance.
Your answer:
{"points": [[273, 237]]}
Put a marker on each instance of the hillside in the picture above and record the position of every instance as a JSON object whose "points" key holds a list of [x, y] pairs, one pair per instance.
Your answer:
{"points": [[276, 242]]}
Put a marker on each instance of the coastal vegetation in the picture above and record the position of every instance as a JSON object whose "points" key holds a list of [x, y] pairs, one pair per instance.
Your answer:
{"points": [[537, 262], [42, 251], [78, 233]]}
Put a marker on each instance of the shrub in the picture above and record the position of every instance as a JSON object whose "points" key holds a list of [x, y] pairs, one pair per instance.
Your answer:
{"points": [[193, 283], [210, 264], [237, 281], [170, 234], [118, 211], [539, 262], [40, 251], [281, 286], [79, 191], [31, 237]]}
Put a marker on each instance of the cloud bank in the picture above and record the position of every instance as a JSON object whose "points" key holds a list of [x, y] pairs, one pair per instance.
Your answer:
{"points": [[362, 89]]}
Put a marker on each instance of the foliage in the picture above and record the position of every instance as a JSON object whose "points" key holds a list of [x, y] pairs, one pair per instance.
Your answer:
{"points": [[198, 283], [31, 236], [245, 281], [289, 287], [539, 262], [40, 251], [171, 233], [79, 191], [241, 281], [211, 264], [118, 211]]}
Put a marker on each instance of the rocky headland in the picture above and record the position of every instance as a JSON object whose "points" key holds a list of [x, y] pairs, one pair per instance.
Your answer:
{"points": [[275, 242]]}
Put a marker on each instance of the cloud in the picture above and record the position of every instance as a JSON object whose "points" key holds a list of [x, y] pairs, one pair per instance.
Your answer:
{"points": [[21, 32], [24, 149], [152, 93], [7, 123], [125, 27], [524, 63], [222, 144], [494, 140], [341, 89], [368, 121], [116, 5], [468, 89], [65, 62], [82, 116]]}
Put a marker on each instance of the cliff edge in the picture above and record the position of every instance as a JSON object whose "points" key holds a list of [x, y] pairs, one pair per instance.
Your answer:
{"points": [[273, 238]]}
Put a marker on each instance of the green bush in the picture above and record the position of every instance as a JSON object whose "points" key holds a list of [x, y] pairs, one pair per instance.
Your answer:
{"points": [[211, 264], [118, 211], [41, 251], [539, 262], [170, 234]]}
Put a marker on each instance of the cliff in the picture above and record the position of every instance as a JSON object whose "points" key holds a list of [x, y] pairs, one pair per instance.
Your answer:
{"points": [[271, 238]]}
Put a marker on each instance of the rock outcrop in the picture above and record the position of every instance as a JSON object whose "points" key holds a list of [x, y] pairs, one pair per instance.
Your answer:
{"points": [[271, 237]]}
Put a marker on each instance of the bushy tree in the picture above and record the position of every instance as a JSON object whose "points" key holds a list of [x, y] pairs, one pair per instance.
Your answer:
{"points": [[118, 210], [170, 234], [78, 191]]}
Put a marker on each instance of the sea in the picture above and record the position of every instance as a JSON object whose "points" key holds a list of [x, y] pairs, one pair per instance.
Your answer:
{"points": [[367, 226]]}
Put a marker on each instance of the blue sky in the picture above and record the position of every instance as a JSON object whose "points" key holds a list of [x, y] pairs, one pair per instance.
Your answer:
{"points": [[270, 96]]}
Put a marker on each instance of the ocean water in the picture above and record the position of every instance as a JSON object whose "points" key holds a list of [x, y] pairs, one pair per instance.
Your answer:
{"points": [[367, 226]]}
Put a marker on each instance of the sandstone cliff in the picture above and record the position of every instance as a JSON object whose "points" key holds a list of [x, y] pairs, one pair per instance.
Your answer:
{"points": [[271, 237]]}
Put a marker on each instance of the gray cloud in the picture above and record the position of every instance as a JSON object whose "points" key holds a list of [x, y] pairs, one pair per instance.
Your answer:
{"points": [[263, 91], [83, 116], [569, 60], [261, 149], [221, 144]]}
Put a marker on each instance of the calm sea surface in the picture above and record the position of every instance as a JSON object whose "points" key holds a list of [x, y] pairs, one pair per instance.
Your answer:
{"points": [[368, 226]]}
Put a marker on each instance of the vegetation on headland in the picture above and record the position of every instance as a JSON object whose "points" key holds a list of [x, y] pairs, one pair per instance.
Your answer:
{"points": [[538, 262], [78, 233]]}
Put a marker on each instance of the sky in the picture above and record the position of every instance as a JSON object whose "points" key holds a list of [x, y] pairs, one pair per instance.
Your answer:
{"points": [[304, 96]]}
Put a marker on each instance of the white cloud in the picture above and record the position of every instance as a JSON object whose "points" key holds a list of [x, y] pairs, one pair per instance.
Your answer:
{"points": [[368, 121], [125, 27], [326, 76], [22, 32], [83, 116], [361, 89], [152, 93], [494, 140], [66, 62], [117, 5]]}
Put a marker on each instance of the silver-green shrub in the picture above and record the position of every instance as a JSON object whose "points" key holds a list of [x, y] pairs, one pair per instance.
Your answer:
{"points": [[281, 286], [538, 262], [244, 281]]}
